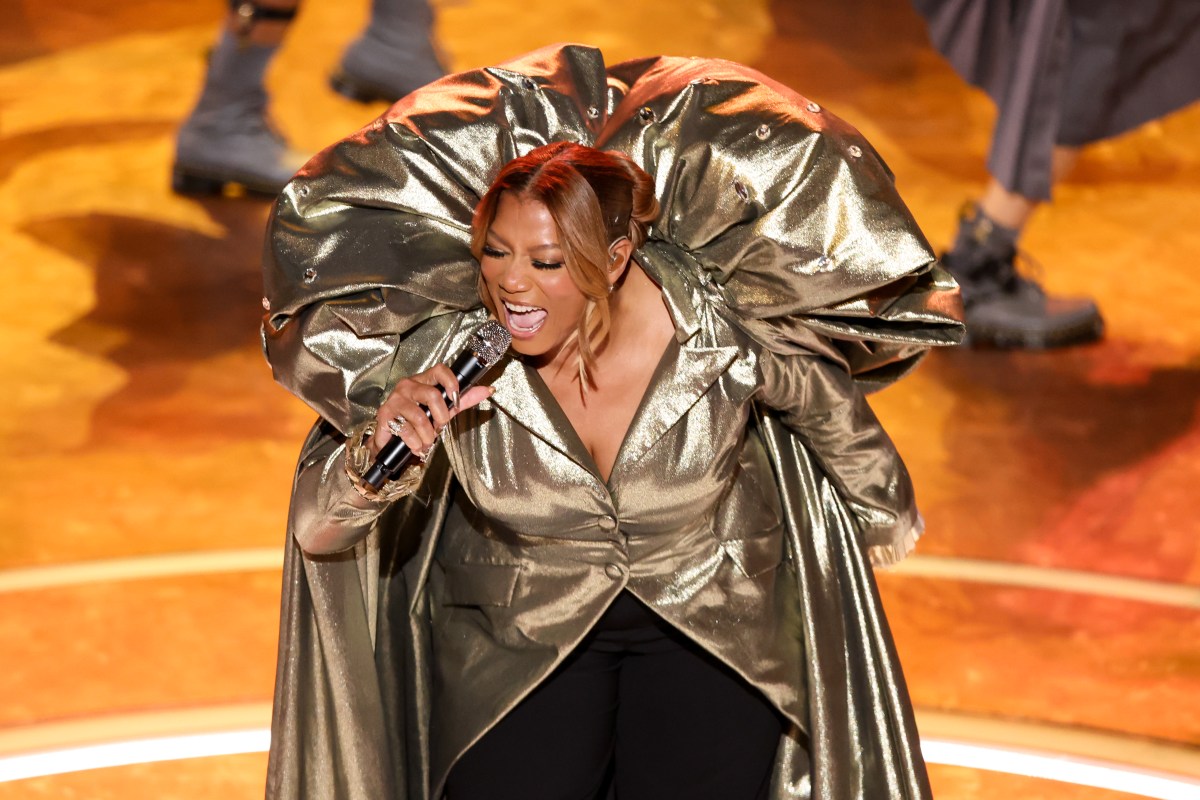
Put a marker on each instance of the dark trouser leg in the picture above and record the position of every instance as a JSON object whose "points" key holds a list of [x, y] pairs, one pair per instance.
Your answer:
{"points": [[690, 727], [681, 723], [555, 745]]}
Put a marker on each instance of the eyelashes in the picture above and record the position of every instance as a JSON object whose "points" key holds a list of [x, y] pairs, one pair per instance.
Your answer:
{"points": [[493, 252]]}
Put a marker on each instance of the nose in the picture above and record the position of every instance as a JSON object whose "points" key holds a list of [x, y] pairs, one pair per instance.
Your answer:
{"points": [[514, 276]]}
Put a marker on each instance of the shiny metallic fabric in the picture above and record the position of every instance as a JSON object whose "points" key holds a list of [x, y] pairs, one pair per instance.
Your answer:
{"points": [[749, 488]]}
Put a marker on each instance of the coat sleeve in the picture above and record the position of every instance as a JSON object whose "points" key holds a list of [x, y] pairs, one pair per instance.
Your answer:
{"points": [[820, 402], [351, 712], [330, 515]]}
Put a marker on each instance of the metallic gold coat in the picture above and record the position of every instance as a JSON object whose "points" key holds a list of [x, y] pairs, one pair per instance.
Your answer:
{"points": [[752, 481]]}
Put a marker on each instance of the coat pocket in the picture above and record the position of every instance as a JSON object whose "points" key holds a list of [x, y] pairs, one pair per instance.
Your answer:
{"points": [[480, 584]]}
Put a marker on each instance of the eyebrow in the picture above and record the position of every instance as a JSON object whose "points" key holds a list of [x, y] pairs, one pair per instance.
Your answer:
{"points": [[500, 241]]}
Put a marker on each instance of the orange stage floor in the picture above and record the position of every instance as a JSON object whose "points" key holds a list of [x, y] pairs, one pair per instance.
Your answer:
{"points": [[145, 454]]}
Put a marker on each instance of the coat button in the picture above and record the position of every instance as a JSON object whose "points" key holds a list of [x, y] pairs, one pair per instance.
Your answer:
{"points": [[607, 523], [614, 571]]}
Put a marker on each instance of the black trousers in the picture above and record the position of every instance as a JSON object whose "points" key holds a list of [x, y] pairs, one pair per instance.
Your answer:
{"points": [[637, 708]]}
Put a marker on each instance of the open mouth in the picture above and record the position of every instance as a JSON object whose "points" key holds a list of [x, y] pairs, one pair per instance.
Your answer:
{"points": [[523, 319]]}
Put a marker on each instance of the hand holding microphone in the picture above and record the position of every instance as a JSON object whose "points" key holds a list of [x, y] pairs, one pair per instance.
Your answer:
{"points": [[421, 405]]}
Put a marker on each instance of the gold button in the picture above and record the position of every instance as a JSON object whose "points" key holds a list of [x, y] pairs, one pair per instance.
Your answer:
{"points": [[614, 571]]}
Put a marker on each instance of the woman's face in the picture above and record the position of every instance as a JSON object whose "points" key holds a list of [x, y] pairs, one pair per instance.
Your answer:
{"points": [[524, 275]]}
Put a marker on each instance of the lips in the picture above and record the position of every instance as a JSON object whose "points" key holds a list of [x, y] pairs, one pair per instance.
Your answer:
{"points": [[523, 319]]}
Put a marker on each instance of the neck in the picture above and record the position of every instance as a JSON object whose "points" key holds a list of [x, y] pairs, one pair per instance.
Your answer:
{"points": [[629, 306], [631, 309]]}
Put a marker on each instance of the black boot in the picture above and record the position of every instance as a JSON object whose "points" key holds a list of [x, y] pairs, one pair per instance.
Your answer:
{"points": [[1004, 308], [393, 56], [227, 140]]}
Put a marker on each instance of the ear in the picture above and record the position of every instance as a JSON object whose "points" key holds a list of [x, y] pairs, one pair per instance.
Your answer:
{"points": [[619, 253]]}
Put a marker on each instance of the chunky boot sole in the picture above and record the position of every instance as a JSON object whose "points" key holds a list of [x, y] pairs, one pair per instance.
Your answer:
{"points": [[187, 181], [980, 336], [358, 90]]}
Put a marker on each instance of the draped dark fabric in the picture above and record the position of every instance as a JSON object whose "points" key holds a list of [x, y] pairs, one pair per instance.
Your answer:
{"points": [[1067, 72]]}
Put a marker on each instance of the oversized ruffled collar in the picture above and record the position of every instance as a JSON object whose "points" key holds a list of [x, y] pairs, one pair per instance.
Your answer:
{"points": [[772, 207]]}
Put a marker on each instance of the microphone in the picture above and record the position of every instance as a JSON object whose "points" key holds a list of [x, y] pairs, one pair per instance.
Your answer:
{"points": [[487, 344]]}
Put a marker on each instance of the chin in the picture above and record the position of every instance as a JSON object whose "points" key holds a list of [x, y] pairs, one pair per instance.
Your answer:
{"points": [[525, 348], [536, 349]]}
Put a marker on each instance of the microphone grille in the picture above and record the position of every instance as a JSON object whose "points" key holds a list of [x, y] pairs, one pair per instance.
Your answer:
{"points": [[489, 342]]}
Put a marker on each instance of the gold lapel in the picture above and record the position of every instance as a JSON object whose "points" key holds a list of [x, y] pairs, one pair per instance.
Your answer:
{"points": [[685, 372], [524, 396], [682, 378]]}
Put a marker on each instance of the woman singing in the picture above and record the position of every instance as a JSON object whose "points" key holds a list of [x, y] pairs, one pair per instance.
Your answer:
{"points": [[637, 563]]}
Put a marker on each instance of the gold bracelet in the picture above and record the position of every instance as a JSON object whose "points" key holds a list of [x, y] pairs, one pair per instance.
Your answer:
{"points": [[358, 461]]}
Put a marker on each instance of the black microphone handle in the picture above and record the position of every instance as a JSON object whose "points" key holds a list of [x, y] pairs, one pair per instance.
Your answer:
{"points": [[394, 456]]}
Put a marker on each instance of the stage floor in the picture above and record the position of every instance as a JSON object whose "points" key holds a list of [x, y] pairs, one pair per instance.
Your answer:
{"points": [[145, 454]]}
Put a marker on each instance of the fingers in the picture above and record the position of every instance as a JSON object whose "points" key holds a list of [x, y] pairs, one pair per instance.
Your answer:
{"points": [[473, 397], [392, 421], [436, 379], [409, 401]]}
